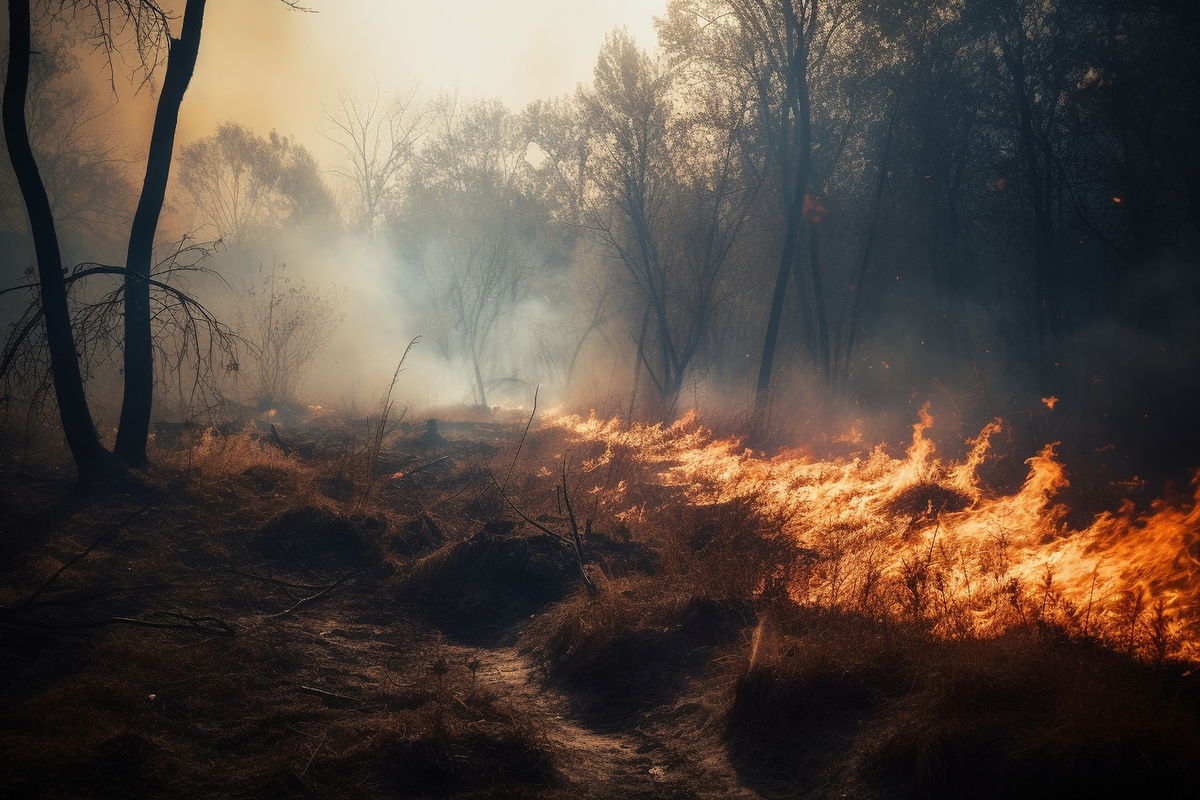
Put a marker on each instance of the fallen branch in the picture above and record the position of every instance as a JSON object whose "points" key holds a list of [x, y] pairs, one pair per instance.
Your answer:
{"points": [[278, 441], [275, 581], [313, 598], [326, 693], [212, 626], [72, 562], [82, 597]]}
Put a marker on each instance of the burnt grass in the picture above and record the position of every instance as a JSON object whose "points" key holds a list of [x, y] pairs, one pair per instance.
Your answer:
{"points": [[259, 625]]}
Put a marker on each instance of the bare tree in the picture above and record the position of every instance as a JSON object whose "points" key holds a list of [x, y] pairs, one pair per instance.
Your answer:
{"points": [[242, 184], [475, 227], [377, 137], [140, 26], [667, 195], [288, 324]]}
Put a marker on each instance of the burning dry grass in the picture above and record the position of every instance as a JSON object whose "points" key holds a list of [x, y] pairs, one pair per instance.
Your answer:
{"points": [[912, 537]]}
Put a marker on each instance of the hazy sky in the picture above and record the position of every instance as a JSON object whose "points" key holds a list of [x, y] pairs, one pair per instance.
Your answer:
{"points": [[269, 67]]}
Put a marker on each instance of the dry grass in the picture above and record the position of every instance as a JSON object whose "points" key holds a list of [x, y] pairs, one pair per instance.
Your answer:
{"points": [[362, 619]]}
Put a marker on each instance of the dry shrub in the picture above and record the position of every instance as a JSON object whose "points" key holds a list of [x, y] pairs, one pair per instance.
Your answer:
{"points": [[631, 643], [926, 499], [213, 457], [499, 576], [321, 537], [835, 698]]}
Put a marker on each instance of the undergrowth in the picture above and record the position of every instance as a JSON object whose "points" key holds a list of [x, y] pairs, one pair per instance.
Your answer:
{"points": [[363, 603]]}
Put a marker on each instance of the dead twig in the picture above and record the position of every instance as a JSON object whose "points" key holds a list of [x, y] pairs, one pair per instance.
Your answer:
{"points": [[275, 581], [213, 626], [573, 541], [326, 693], [72, 562], [83, 597], [380, 430], [524, 433], [313, 598], [577, 542]]}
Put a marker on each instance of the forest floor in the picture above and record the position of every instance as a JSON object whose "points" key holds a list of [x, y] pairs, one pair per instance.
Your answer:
{"points": [[250, 622]]}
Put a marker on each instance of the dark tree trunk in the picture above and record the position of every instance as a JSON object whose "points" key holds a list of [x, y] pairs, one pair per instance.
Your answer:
{"points": [[860, 283], [801, 157], [92, 460], [814, 252], [781, 278], [139, 361], [1050, 311]]}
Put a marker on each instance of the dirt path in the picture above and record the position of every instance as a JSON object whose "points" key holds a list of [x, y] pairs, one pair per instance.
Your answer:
{"points": [[657, 758]]}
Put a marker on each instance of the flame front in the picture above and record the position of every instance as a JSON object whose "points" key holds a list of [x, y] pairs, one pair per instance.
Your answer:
{"points": [[917, 538]]}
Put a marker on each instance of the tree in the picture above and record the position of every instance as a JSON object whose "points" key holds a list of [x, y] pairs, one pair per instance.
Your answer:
{"points": [[377, 137], [666, 190], [764, 44], [90, 456], [242, 184], [114, 25], [289, 324], [134, 426], [473, 223]]}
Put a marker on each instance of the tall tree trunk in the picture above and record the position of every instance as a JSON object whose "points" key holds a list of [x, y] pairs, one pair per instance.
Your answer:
{"points": [[781, 279], [814, 251], [139, 361], [1050, 309], [480, 392], [91, 458], [791, 235], [801, 154], [860, 283], [805, 311]]}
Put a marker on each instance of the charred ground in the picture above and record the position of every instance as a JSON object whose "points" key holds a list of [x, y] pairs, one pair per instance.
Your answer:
{"points": [[255, 624]]}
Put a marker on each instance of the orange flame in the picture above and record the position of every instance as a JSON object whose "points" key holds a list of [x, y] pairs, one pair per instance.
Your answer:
{"points": [[917, 537]]}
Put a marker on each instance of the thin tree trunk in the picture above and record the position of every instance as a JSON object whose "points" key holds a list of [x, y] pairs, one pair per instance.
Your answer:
{"points": [[781, 279], [798, 83], [856, 307], [804, 310], [819, 302], [91, 458], [792, 234], [139, 362], [637, 363]]}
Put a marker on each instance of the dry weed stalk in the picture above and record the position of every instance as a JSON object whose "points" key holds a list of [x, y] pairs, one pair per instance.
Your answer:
{"points": [[575, 539], [377, 431]]}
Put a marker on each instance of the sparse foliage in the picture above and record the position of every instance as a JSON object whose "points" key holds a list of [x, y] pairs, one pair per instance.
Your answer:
{"points": [[284, 324]]}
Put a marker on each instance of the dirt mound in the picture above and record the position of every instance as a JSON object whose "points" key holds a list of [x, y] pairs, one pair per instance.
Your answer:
{"points": [[318, 537], [481, 586]]}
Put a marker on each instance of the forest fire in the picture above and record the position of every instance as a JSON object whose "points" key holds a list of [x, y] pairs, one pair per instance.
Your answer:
{"points": [[916, 537]]}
